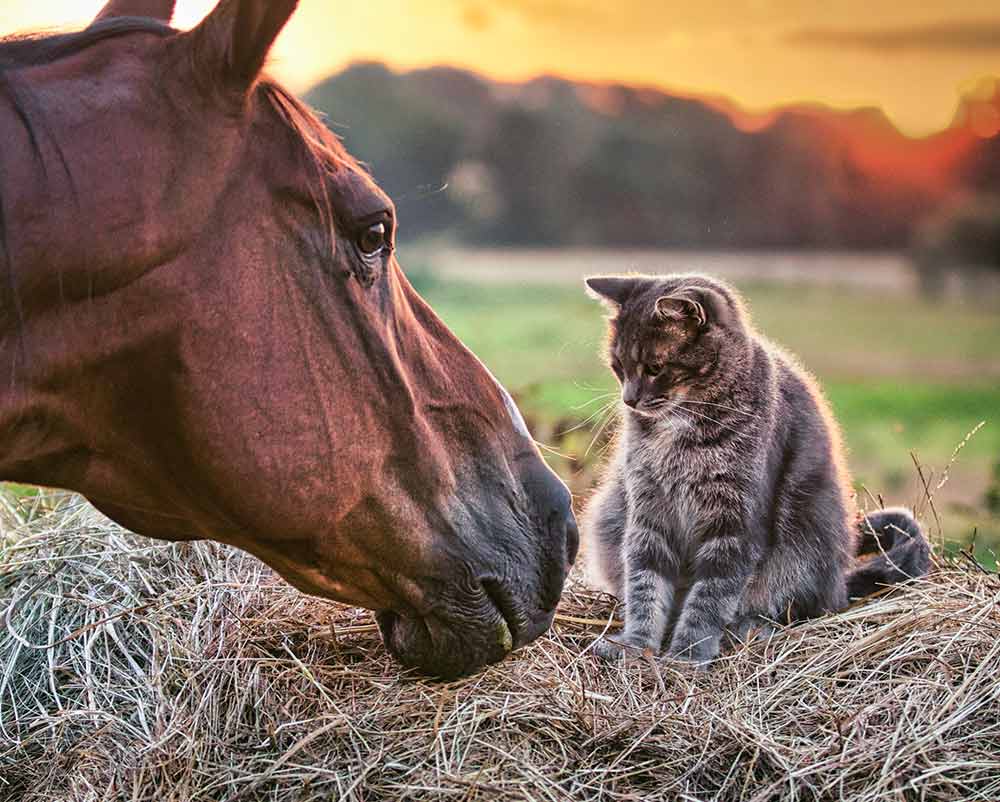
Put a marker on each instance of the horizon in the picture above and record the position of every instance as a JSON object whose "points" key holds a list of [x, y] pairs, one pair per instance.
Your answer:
{"points": [[745, 118], [913, 62]]}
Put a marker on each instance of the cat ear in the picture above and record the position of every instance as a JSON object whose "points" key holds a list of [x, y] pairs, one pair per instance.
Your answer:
{"points": [[674, 307], [701, 305], [613, 290]]}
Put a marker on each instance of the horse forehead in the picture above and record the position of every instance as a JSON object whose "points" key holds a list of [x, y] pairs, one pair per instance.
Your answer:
{"points": [[353, 189]]}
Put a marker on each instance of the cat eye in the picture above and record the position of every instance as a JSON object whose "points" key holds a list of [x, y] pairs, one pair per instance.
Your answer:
{"points": [[372, 240], [652, 370]]}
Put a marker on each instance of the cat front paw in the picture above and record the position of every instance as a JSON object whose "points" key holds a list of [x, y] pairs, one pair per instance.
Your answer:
{"points": [[696, 654], [608, 650], [612, 650], [748, 629]]}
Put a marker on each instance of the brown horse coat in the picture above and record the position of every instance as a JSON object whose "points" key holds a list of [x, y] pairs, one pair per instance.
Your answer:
{"points": [[204, 329]]}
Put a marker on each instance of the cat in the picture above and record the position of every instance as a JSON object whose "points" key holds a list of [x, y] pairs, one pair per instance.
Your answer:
{"points": [[724, 508]]}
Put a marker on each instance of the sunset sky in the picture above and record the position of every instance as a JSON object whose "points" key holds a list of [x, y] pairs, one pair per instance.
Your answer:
{"points": [[910, 58]]}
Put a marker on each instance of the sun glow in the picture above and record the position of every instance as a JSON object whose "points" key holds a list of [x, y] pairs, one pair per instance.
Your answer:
{"points": [[910, 59]]}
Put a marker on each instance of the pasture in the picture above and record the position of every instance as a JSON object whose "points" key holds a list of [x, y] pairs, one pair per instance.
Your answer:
{"points": [[907, 377]]}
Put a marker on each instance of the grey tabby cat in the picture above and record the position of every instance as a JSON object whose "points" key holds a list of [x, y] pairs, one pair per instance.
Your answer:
{"points": [[725, 505]]}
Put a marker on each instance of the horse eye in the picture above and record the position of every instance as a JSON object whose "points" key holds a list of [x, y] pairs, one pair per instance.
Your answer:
{"points": [[372, 240]]}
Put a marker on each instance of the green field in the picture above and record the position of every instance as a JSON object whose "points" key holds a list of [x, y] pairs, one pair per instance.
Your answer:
{"points": [[905, 377]]}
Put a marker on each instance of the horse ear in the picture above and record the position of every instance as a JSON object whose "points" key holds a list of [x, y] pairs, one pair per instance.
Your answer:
{"points": [[232, 43], [162, 10], [701, 305], [613, 290]]}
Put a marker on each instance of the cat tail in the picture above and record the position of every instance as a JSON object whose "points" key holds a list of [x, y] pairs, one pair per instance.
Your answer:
{"points": [[895, 549]]}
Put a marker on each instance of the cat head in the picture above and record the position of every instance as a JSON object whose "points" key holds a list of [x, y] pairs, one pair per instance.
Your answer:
{"points": [[672, 339]]}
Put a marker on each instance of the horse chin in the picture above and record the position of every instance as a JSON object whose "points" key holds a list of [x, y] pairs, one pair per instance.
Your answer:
{"points": [[454, 648]]}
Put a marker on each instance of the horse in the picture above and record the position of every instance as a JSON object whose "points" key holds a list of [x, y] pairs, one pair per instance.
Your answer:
{"points": [[205, 331]]}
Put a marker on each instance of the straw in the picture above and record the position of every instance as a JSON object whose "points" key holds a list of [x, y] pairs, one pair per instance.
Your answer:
{"points": [[137, 670]]}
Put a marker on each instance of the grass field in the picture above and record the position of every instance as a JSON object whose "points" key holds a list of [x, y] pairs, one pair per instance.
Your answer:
{"points": [[906, 377]]}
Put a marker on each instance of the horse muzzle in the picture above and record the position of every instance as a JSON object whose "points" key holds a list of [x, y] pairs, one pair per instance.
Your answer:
{"points": [[462, 640], [507, 599]]}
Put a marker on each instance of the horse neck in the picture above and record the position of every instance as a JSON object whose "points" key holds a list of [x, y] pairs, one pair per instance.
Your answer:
{"points": [[51, 357], [29, 430]]}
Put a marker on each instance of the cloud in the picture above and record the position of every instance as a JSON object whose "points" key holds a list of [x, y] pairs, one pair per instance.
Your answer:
{"points": [[583, 16], [961, 36], [479, 16], [557, 11]]}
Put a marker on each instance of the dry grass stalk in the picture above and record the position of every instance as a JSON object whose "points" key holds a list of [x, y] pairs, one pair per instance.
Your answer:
{"points": [[190, 672]]}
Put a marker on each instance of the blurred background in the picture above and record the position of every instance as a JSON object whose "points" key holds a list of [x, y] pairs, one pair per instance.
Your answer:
{"points": [[840, 164]]}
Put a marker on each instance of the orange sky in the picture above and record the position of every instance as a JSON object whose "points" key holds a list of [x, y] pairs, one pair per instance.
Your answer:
{"points": [[910, 58]]}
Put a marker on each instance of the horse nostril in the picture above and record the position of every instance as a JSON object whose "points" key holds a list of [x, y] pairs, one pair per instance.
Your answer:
{"points": [[572, 540]]}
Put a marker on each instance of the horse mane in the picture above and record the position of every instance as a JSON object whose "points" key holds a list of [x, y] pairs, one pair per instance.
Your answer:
{"points": [[40, 47], [322, 147], [20, 51]]}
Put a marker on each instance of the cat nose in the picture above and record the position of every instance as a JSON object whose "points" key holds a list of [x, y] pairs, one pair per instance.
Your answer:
{"points": [[630, 393]]}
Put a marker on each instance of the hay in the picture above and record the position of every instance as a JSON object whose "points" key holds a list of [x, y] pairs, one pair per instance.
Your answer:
{"points": [[190, 672]]}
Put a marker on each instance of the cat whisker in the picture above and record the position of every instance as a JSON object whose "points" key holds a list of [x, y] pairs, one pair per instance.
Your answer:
{"points": [[681, 413], [708, 418], [587, 387], [593, 400], [720, 406], [600, 430], [550, 449], [605, 448], [587, 420]]}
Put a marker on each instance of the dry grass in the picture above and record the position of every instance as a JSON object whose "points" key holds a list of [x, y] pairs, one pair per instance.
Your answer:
{"points": [[136, 670]]}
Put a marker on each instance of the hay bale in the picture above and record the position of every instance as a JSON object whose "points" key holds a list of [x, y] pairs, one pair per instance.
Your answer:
{"points": [[137, 670]]}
